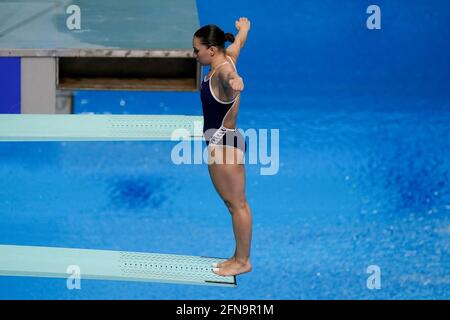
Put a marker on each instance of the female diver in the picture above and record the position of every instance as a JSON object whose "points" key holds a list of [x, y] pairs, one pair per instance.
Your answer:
{"points": [[220, 96]]}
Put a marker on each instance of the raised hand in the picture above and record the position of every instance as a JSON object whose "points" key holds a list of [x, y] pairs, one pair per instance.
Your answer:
{"points": [[242, 24]]}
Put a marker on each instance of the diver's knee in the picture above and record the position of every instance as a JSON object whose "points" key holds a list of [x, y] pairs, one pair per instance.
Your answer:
{"points": [[228, 204], [236, 204]]}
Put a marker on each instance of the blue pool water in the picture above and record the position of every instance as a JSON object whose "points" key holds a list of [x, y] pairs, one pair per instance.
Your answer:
{"points": [[364, 122]]}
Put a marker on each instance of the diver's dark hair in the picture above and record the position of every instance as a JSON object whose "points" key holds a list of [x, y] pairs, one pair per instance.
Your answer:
{"points": [[211, 35]]}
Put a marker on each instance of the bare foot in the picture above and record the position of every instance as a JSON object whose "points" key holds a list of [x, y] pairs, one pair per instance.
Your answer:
{"points": [[233, 268], [225, 263]]}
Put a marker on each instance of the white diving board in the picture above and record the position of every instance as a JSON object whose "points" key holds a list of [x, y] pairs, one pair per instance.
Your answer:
{"points": [[54, 262], [94, 127]]}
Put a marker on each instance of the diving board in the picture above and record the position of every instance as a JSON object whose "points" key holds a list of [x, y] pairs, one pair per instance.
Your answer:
{"points": [[89, 127], [52, 262]]}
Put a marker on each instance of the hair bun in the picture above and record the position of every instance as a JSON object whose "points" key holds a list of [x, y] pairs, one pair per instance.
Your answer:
{"points": [[229, 37]]}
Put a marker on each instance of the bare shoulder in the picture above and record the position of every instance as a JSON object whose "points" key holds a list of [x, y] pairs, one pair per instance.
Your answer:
{"points": [[231, 56]]}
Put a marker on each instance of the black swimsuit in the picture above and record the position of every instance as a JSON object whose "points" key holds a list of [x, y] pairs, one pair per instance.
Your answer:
{"points": [[214, 113]]}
